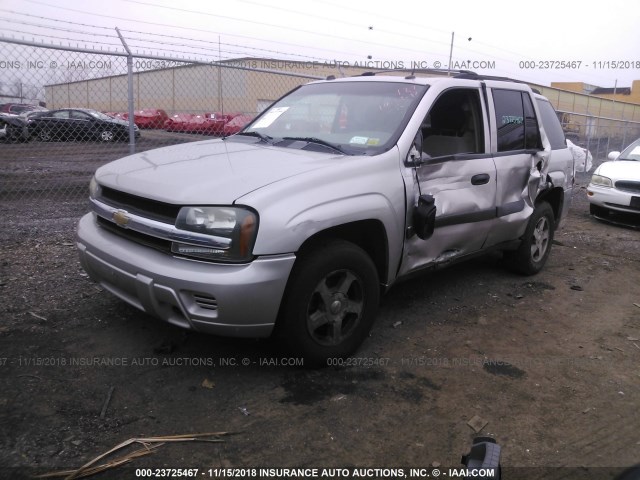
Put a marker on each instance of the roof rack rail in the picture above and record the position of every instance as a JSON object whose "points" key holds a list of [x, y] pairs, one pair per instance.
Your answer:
{"points": [[460, 74], [413, 71], [475, 76]]}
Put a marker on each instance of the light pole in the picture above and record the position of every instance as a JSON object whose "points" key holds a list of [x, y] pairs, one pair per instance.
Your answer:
{"points": [[451, 54]]}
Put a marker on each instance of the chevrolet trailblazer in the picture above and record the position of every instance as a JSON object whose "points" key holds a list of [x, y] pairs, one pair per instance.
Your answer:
{"points": [[295, 226]]}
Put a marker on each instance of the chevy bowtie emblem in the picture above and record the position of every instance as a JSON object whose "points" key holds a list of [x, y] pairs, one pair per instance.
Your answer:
{"points": [[121, 217]]}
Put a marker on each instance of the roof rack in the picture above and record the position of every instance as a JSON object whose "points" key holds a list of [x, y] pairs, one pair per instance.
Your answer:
{"points": [[460, 74], [413, 71], [475, 76]]}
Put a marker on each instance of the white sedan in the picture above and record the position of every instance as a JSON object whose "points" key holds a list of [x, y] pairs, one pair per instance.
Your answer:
{"points": [[615, 185]]}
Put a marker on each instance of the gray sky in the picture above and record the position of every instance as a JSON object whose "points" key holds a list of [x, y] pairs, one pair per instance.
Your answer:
{"points": [[541, 33]]}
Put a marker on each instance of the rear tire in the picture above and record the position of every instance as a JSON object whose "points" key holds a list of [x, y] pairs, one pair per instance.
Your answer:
{"points": [[330, 304], [45, 135], [534, 250]]}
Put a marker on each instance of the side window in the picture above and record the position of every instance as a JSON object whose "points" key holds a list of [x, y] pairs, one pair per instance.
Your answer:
{"points": [[61, 114], [552, 126], [531, 132], [79, 115], [509, 120], [454, 124]]}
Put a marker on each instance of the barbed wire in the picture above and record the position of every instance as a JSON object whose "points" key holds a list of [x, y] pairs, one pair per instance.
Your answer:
{"points": [[192, 29], [249, 50]]}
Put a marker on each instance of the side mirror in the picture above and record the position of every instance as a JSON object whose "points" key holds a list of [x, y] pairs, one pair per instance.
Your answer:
{"points": [[414, 157], [613, 155], [424, 216]]}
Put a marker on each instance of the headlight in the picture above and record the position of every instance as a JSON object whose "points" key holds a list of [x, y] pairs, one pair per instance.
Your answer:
{"points": [[94, 188], [233, 231], [601, 181]]}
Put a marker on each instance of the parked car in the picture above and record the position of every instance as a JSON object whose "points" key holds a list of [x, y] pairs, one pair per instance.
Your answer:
{"points": [[150, 118], [179, 122], [78, 124], [217, 121], [18, 108], [295, 225], [13, 128], [120, 115], [207, 123], [236, 124], [615, 185]]}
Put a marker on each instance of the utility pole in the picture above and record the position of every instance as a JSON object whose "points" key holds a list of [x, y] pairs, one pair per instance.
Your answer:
{"points": [[451, 54]]}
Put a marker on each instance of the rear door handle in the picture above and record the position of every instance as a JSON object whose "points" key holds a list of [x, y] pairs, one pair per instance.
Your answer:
{"points": [[480, 179]]}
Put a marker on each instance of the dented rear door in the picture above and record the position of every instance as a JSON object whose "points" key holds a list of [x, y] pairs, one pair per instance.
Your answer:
{"points": [[521, 162]]}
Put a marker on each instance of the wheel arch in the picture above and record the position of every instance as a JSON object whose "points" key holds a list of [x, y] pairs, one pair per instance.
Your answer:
{"points": [[370, 235], [554, 197]]}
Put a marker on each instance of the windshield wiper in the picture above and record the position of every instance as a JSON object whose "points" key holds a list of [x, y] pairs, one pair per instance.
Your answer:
{"points": [[261, 136], [318, 141]]}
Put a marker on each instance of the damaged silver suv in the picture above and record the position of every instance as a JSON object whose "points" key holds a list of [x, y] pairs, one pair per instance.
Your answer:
{"points": [[298, 223]]}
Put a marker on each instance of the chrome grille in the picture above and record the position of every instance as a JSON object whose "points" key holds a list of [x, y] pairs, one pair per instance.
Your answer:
{"points": [[160, 211]]}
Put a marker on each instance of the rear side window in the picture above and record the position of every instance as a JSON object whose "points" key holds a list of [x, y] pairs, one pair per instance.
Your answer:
{"points": [[531, 132], [79, 115], [61, 114], [516, 121], [551, 124]]}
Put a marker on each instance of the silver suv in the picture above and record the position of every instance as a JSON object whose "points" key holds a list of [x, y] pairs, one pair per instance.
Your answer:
{"points": [[295, 225]]}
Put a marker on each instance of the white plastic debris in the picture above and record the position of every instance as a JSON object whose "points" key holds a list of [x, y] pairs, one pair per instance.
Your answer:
{"points": [[580, 155]]}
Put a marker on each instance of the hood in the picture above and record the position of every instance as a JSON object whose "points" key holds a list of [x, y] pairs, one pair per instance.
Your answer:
{"points": [[208, 172], [620, 170]]}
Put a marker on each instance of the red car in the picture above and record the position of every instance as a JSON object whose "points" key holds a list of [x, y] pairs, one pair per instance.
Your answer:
{"points": [[236, 124], [216, 122], [194, 123], [150, 118], [207, 123], [180, 122]]}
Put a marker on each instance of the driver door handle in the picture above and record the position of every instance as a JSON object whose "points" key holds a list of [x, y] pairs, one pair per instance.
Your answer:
{"points": [[480, 179]]}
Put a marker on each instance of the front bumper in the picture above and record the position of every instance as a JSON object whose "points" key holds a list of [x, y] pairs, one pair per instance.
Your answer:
{"points": [[613, 199], [229, 300]]}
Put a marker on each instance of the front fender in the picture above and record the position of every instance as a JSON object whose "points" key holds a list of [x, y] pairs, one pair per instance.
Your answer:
{"points": [[356, 189]]}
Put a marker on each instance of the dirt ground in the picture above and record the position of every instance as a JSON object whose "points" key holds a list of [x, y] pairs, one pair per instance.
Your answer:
{"points": [[550, 363]]}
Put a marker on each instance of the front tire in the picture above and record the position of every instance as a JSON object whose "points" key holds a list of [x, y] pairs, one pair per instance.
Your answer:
{"points": [[536, 242], [107, 136], [330, 304]]}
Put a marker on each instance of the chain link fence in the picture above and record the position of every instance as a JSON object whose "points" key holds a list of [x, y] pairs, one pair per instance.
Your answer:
{"points": [[92, 96], [597, 124]]}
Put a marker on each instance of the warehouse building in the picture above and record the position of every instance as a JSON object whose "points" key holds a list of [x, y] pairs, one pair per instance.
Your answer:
{"points": [[249, 85]]}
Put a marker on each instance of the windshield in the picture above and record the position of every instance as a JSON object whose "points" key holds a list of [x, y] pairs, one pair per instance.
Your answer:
{"points": [[632, 152], [355, 118]]}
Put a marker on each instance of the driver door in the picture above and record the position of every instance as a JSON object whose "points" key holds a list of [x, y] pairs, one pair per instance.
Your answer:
{"points": [[458, 171]]}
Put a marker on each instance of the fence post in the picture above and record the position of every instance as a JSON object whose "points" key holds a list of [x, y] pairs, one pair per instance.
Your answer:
{"points": [[624, 135], [588, 131], [132, 133]]}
